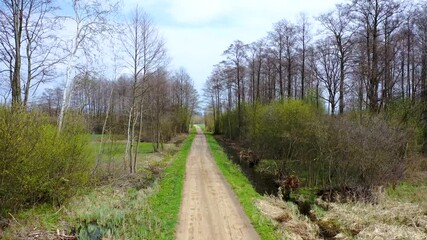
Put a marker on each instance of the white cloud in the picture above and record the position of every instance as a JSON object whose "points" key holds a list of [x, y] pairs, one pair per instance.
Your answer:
{"points": [[198, 31], [197, 11]]}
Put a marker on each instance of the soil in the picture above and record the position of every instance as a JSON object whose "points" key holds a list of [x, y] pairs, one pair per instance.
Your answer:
{"points": [[209, 208]]}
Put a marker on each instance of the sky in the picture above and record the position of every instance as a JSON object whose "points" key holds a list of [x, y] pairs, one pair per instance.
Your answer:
{"points": [[197, 31]]}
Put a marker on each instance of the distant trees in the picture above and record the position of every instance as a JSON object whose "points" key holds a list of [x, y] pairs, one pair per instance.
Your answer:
{"points": [[367, 55], [184, 99]]}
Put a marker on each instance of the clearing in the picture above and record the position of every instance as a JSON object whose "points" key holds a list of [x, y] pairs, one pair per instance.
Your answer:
{"points": [[209, 208]]}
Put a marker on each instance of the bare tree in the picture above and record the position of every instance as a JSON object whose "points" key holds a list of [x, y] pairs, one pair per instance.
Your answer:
{"points": [[277, 40], [144, 53], [12, 18], [40, 44], [370, 15], [304, 38], [337, 24], [89, 20], [236, 54], [327, 70]]}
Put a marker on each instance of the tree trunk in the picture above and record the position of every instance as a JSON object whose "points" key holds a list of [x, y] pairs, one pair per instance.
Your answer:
{"points": [[16, 76]]}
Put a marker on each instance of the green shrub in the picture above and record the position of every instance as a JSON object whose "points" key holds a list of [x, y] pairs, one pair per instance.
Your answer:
{"points": [[38, 164], [357, 149], [286, 133]]}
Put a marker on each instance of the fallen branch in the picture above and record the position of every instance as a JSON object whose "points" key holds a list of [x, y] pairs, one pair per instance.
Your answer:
{"points": [[14, 219]]}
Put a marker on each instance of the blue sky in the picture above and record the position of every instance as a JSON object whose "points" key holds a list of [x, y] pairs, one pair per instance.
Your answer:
{"points": [[197, 32]]}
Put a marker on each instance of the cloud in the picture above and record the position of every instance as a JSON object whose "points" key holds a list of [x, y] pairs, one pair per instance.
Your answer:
{"points": [[197, 11], [198, 31]]}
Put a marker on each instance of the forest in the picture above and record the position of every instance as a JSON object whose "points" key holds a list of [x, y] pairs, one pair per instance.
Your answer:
{"points": [[330, 106], [344, 105]]}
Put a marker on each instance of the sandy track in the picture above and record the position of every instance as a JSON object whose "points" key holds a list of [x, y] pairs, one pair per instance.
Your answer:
{"points": [[209, 208]]}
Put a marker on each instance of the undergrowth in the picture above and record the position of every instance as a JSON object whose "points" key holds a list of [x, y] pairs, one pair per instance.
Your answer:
{"points": [[140, 206]]}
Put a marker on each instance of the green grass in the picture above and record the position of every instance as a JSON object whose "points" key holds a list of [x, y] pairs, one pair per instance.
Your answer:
{"points": [[166, 203], [408, 191], [97, 137], [148, 214], [118, 148], [244, 191]]}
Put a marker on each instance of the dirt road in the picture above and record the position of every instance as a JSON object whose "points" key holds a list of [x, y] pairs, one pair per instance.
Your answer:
{"points": [[209, 208]]}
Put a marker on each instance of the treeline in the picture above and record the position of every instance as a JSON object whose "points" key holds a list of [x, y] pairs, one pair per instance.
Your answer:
{"points": [[367, 63], [168, 102], [44, 140]]}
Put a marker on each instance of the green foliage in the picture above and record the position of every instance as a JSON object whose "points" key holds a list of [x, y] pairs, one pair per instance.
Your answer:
{"points": [[407, 114], [357, 149], [278, 127], [38, 164], [408, 191], [243, 189], [313, 99]]}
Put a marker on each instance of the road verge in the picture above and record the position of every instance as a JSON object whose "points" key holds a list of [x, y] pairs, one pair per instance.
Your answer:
{"points": [[243, 190]]}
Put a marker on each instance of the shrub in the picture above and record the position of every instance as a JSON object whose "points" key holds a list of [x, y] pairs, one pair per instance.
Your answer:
{"points": [[287, 132], [355, 150], [36, 163], [364, 152]]}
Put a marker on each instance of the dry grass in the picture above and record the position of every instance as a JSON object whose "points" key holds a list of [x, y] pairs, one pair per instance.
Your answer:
{"points": [[390, 219], [400, 214], [115, 205], [294, 226]]}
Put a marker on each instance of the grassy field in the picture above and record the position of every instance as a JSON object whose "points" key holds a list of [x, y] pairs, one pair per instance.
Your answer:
{"points": [[244, 191], [144, 205], [111, 159]]}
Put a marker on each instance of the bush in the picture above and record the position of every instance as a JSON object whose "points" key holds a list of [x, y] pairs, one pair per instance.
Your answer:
{"points": [[364, 152], [355, 150], [286, 133], [38, 164]]}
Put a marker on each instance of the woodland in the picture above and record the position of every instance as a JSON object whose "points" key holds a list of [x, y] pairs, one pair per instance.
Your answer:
{"points": [[338, 100]]}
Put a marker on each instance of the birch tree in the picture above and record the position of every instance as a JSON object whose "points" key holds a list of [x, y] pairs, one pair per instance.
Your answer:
{"points": [[90, 20], [144, 52]]}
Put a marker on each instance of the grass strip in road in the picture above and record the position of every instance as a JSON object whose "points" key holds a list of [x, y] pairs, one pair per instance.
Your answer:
{"points": [[243, 189], [166, 203]]}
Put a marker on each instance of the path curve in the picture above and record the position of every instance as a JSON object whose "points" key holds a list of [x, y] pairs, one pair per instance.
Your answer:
{"points": [[209, 208]]}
